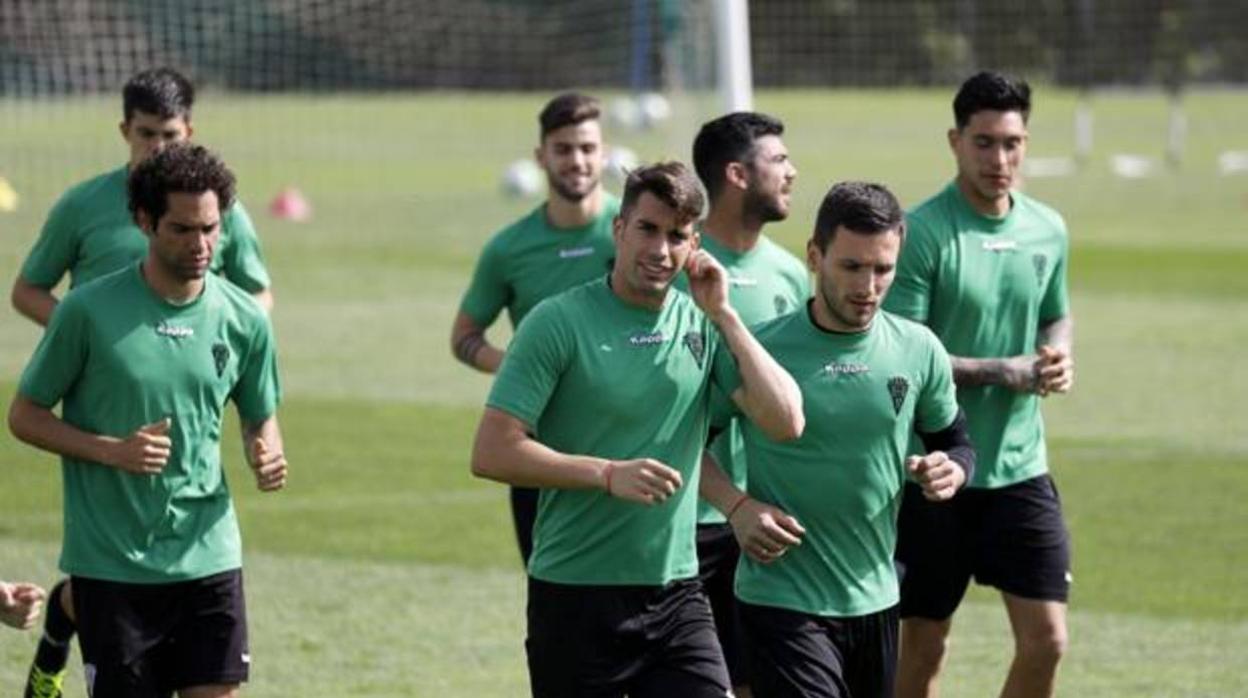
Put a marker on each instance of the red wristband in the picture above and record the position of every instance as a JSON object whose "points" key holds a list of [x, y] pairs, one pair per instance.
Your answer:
{"points": [[736, 505], [606, 474]]}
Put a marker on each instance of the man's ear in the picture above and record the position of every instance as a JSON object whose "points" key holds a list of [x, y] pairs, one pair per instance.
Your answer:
{"points": [[145, 222]]}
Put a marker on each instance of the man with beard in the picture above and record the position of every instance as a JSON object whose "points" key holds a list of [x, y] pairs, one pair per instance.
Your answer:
{"points": [[562, 243], [986, 271], [748, 175], [603, 403], [816, 587]]}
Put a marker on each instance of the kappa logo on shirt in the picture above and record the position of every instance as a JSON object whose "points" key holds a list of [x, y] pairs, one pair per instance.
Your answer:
{"points": [[646, 339], [898, 388], [845, 368], [575, 252], [1000, 245], [166, 329], [220, 356]]}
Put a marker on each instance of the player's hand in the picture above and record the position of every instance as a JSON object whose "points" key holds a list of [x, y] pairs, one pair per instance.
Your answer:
{"points": [[938, 475], [146, 451], [1022, 373], [708, 284], [1055, 371], [765, 532], [20, 604], [641, 480], [269, 466]]}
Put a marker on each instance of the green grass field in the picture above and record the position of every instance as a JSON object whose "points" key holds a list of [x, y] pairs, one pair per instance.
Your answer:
{"points": [[385, 569]]}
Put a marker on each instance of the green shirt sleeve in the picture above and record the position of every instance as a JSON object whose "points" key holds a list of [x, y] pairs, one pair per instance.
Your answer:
{"points": [[258, 390], [536, 358], [57, 247], [938, 399], [59, 358], [1056, 303], [911, 293], [488, 293], [725, 374], [241, 259]]}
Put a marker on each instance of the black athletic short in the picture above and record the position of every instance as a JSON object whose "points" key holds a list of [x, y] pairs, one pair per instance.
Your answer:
{"points": [[798, 655], [1012, 538], [523, 516], [718, 553], [149, 640], [608, 641]]}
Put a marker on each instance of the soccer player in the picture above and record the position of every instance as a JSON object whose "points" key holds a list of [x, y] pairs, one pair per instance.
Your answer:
{"points": [[745, 167], [562, 243], [602, 402], [90, 233], [817, 586], [20, 604], [985, 269], [142, 362]]}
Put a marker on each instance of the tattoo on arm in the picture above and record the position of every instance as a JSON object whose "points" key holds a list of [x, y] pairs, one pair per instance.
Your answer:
{"points": [[466, 347]]}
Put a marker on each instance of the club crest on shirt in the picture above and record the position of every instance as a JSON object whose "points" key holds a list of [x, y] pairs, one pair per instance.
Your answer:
{"points": [[166, 329], [898, 387], [781, 303], [220, 357], [697, 346], [1042, 265]]}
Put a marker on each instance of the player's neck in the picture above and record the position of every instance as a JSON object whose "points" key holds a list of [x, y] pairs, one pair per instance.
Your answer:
{"points": [[996, 207], [730, 228], [562, 213], [168, 286], [624, 291]]}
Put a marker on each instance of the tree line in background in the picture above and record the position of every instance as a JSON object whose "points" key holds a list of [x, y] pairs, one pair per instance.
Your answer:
{"points": [[71, 46]]}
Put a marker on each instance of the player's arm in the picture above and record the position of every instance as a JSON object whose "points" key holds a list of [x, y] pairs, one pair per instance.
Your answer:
{"points": [[949, 462], [505, 450], [262, 442], [35, 302], [469, 345], [1055, 346], [763, 531], [143, 452], [768, 395], [265, 298]]}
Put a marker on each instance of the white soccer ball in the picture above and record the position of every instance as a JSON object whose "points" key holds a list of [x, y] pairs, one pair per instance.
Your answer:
{"points": [[654, 108], [620, 161], [522, 178], [625, 113]]}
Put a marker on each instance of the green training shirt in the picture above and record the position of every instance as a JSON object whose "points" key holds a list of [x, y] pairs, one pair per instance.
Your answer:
{"points": [[863, 395], [90, 233], [530, 260], [763, 283], [985, 286], [593, 375], [117, 357]]}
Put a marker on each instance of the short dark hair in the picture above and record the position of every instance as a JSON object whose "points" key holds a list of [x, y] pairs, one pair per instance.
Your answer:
{"points": [[730, 138], [863, 207], [989, 91], [568, 109], [670, 182], [181, 168], [161, 91]]}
